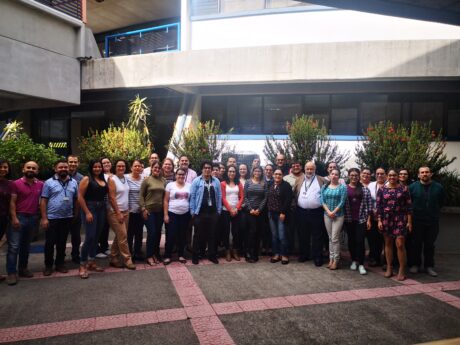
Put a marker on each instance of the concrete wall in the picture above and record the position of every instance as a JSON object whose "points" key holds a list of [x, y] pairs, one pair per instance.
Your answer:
{"points": [[316, 62], [309, 27]]}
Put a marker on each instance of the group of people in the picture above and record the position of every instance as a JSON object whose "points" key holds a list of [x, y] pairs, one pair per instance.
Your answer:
{"points": [[276, 210]]}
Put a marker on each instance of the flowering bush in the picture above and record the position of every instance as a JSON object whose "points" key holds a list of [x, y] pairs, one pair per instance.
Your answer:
{"points": [[203, 142], [307, 140]]}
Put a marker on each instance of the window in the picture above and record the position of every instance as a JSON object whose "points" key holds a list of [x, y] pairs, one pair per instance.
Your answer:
{"points": [[378, 108], [453, 123], [428, 111], [278, 110], [232, 6], [284, 3], [344, 114], [245, 114], [318, 106], [216, 7], [204, 7]]}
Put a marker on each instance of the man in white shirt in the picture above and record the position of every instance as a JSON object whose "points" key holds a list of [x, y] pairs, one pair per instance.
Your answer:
{"points": [[309, 214], [153, 158]]}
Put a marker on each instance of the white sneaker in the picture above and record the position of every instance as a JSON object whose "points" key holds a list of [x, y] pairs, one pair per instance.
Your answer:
{"points": [[413, 269], [362, 270], [107, 252], [101, 256], [353, 266], [431, 272]]}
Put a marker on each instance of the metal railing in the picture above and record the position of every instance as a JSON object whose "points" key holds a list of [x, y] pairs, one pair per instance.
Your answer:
{"points": [[151, 40], [73, 8]]}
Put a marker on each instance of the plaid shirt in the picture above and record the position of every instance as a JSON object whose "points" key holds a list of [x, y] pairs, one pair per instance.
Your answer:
{"points": [[364, 209]]}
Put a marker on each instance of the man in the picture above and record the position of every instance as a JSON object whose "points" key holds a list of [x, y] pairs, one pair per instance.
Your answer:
{"points": [[255, 163], [190, 174], [427, 199], [75, 228], [216, 170], [25, 195], [309, 214], [152, 159], [231, 161], [58, 208], [281, 164], [205, 207]]}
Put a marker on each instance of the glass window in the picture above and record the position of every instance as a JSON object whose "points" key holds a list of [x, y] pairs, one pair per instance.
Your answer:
{"points": [[453, 123], [278, 110], [204, 7], [285, 3], [344, 121], [231, 6], [317, 106], [244, 114], [428, 111], [373, 112], [214, 108]]}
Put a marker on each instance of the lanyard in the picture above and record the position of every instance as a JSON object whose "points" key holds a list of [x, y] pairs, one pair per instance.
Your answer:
{"points": [[208, 186], [64, 186], [305, 184]]}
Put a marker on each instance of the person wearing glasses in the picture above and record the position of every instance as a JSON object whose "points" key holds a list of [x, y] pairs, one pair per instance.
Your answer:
{"points": [[176, 208], [205, 207], [374, 237], [365, 177], [394, 214]]}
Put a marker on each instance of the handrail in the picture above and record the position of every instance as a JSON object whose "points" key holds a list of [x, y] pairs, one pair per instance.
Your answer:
{"points": [[147, 41], [73, 8]]}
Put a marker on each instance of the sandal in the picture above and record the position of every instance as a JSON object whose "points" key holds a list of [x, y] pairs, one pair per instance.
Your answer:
{"points": [[388, 274], [91, 266], [275, 259], [284, 260], [83, 273], [401, 277], [182, 260], [156, 260], [150, 262], [166, 261]]}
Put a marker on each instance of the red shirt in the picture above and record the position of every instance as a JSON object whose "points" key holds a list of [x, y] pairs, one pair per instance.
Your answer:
{"points": [[28, 196]]}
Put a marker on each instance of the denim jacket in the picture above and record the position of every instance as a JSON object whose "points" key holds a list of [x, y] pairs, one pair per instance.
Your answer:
{"points": [[196, 194]]}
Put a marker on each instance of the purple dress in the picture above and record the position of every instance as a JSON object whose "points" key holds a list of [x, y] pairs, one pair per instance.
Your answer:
{"points": [[393, 207]]}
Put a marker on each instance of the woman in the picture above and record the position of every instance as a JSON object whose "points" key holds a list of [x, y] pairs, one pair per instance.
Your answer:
{"points": [[374, 237], [103, 238], [243, 173], [242, 177], [255, 197], [167, 170], [394, 220], [151, 202], [279, 202], [358, 208], [118, 216], [403, 177], [365, 177], [5, 196], [176, 209], [333, 197], [136, 222], [92, 196], [232, 200]]}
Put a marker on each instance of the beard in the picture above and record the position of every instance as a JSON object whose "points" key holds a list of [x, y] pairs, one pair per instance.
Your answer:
{"points": [[63, 174], [30, 174]]}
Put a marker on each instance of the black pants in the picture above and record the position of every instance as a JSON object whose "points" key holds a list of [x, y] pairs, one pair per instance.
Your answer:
{"points": [[310, 224], [135, 233], [56, 235], [375, 240], [356, 234], [244, 231], [3, 225], [205, 233], [266, 234], [103, 239], [423, 236], [232, 223], [75, 238], [255, 228], [175, 233]]}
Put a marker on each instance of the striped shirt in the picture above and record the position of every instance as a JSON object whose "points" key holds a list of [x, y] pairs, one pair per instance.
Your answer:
{"points": [[134, 189], [255, 195], [334, 197]]}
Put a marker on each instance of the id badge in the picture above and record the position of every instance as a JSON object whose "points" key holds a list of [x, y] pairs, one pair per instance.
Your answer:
{"points": [[209, 201], [66, 198]]}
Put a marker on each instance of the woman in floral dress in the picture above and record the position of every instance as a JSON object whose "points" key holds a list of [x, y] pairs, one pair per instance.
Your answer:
{"points": [[394, 220]]}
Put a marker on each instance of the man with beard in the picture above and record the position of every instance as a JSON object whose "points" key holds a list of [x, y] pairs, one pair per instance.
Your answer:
{"points": [[152, 159], [24, 220], [190, 174], [281, 164], [58, 208], [75, 235]]}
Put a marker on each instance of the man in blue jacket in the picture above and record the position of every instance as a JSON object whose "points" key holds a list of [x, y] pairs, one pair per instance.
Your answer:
{"points": [[427, 199], [205, 207]]}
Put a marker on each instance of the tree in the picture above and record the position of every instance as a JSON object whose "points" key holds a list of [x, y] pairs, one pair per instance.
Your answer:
{"points": [[139, 112], [307, 140], [203, 142]]}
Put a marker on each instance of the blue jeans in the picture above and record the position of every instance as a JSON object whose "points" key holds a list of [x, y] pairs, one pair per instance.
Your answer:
{"points": [[280, 243], [19, 242], [175, 233], [92, 230], [153, 224]]}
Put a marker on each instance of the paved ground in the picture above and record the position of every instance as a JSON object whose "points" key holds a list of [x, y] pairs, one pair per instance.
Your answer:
{"points": [[230, 303]]}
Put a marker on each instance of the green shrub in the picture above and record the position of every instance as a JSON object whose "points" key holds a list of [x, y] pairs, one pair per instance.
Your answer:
{"points": [[307, 140], [203, 142]]}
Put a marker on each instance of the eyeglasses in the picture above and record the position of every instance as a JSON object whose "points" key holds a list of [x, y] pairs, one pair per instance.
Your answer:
{"points": [[180, 174], [207, 168], [403, 174], [278, 174], [380, 174]]}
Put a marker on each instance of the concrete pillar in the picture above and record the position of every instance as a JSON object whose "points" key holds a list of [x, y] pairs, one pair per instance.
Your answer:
{"points": [[185, 25]]}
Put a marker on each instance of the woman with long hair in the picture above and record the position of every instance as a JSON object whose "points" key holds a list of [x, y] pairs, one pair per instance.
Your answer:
{"points": [[167, 170], [243, 173], [136, 222], [92, 194], [5, 196], [118, 216], [279, 203], [255, 198], [394, 220], [103, 249], [358, 208], [176, 207], [151, 202], [333, 197], [232, 200]]}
